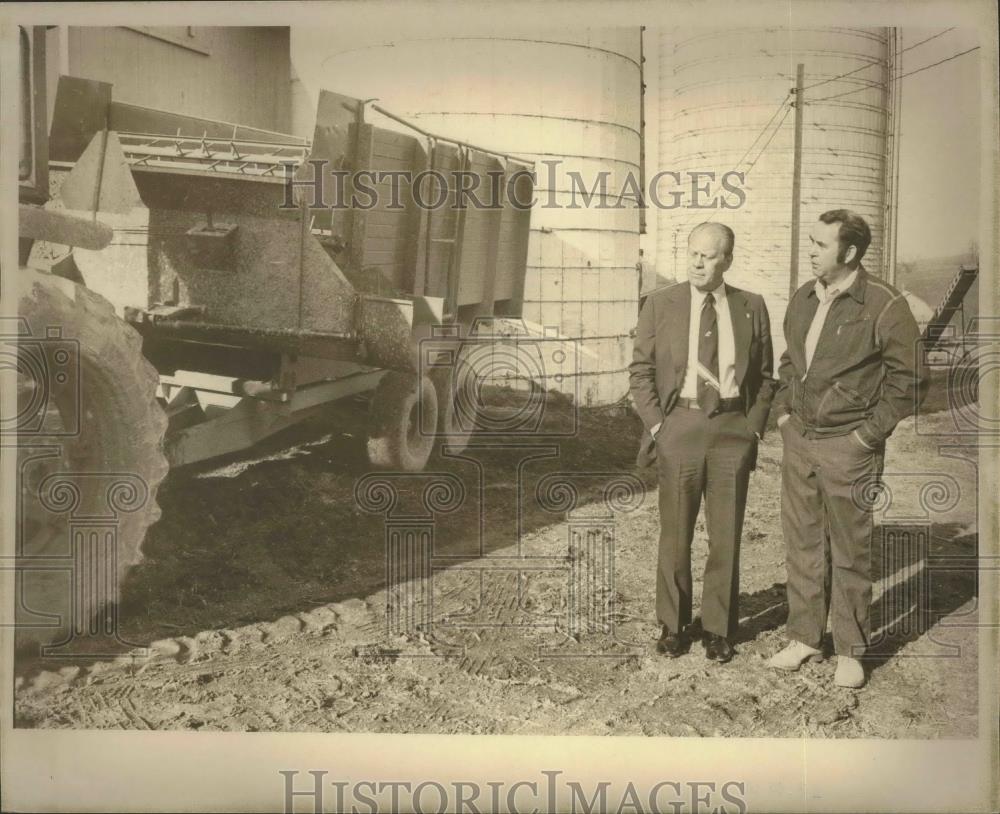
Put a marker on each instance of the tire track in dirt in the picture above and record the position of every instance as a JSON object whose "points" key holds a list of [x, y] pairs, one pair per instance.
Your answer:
{"points": [[336, 668]]}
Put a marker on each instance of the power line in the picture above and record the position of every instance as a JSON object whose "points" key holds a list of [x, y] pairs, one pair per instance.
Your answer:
{"points": [[935, 64], [899, 76], [878, 62], [846, 93], [934, 37], [841, 76], [763, 130], [768, 144]]}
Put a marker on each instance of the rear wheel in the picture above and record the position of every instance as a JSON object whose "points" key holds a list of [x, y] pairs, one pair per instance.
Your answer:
{"points": [[90, 458], [401, 407], [457, 410]]}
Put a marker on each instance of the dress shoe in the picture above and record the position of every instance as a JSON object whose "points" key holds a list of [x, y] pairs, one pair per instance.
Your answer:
{"points": [[672, 644], [849, 673], [793, 656], [717, 648]]}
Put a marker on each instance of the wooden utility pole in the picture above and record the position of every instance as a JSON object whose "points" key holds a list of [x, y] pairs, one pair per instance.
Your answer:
{"points": [[797, 103], [642, 134], [891, 230]]}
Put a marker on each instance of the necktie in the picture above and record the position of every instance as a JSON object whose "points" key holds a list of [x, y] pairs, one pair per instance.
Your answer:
{"points": [[708, 357]]}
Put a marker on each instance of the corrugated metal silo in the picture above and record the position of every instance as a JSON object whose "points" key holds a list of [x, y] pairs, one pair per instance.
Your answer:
{"points": [[721, 96], [566, 96]]}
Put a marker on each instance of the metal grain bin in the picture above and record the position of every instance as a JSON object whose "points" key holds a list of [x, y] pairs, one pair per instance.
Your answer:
{"points": [[566, 96]]}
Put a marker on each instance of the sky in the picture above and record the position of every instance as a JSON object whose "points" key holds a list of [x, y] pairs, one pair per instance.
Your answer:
{"points": [[940, 142]]}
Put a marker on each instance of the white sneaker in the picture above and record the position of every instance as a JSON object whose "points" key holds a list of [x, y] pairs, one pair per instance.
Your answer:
{"points": [[793, 656], [849, 673]]}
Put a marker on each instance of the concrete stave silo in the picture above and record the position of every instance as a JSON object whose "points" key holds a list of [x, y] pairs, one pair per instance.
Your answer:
{"points": [[724, 104]]}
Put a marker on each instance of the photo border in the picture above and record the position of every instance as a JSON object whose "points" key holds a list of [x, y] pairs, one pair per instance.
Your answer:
{"points": [[159, 771]]}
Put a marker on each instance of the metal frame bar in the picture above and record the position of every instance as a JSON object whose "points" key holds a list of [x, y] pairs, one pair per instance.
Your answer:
{"points": [[227, 140], [457, 243], [953, 300], [250, 420], [152, 151], [328, 345], [35, 187], [494, 219]]}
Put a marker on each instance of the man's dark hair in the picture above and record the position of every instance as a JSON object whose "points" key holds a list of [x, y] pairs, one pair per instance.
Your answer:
{"points": [[853, 231]]}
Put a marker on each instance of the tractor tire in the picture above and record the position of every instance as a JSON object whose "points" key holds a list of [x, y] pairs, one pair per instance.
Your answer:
{"points": [[401, 406], [90, 458], [456, 412]]}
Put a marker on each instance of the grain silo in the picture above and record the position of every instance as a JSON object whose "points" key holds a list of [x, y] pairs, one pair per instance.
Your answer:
{"points": [[567, 96], [725, 105]]}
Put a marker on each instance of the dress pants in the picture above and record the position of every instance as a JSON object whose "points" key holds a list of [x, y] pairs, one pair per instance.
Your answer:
{"points": [[711, 457], [826, 492]]}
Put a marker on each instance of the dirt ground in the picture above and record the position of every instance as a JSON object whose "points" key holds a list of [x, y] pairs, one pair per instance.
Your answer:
{"points": [[262, 603]]}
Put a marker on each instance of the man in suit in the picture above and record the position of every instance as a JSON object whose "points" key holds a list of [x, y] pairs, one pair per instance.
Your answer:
{"points": [[701, 382], [847, 377]]}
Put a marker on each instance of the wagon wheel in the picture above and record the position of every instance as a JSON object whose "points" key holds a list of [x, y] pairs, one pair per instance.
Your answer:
{"points": [[90, 445], [401, 407], [457, 408]]}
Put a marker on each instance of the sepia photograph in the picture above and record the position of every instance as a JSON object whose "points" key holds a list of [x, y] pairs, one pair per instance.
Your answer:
{"points": [[594, 380]]}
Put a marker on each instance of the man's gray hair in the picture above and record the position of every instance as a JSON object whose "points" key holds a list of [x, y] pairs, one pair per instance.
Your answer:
{"points": [[722, 229]]}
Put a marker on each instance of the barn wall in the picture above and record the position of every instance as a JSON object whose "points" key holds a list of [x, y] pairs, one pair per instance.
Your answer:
{"points": [[238, 74]]}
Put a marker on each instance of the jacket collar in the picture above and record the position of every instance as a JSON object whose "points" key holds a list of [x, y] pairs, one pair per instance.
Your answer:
{"points": [[720, 291], [681, 292], [678, 317], [856, 289]]}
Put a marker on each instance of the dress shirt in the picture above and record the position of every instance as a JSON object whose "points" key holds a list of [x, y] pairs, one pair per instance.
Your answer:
{"points": [[727, 345], [826, 295]]}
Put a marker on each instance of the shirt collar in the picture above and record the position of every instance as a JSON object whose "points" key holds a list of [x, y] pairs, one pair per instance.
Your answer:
{"points": [[849, 285], [719, 292]]}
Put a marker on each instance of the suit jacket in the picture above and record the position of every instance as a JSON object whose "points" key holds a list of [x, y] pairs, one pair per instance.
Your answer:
{"points": [[660, 355]]}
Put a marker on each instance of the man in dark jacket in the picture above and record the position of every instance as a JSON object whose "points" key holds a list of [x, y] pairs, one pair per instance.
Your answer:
{"points": [[846, 379], [701, 380]]}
